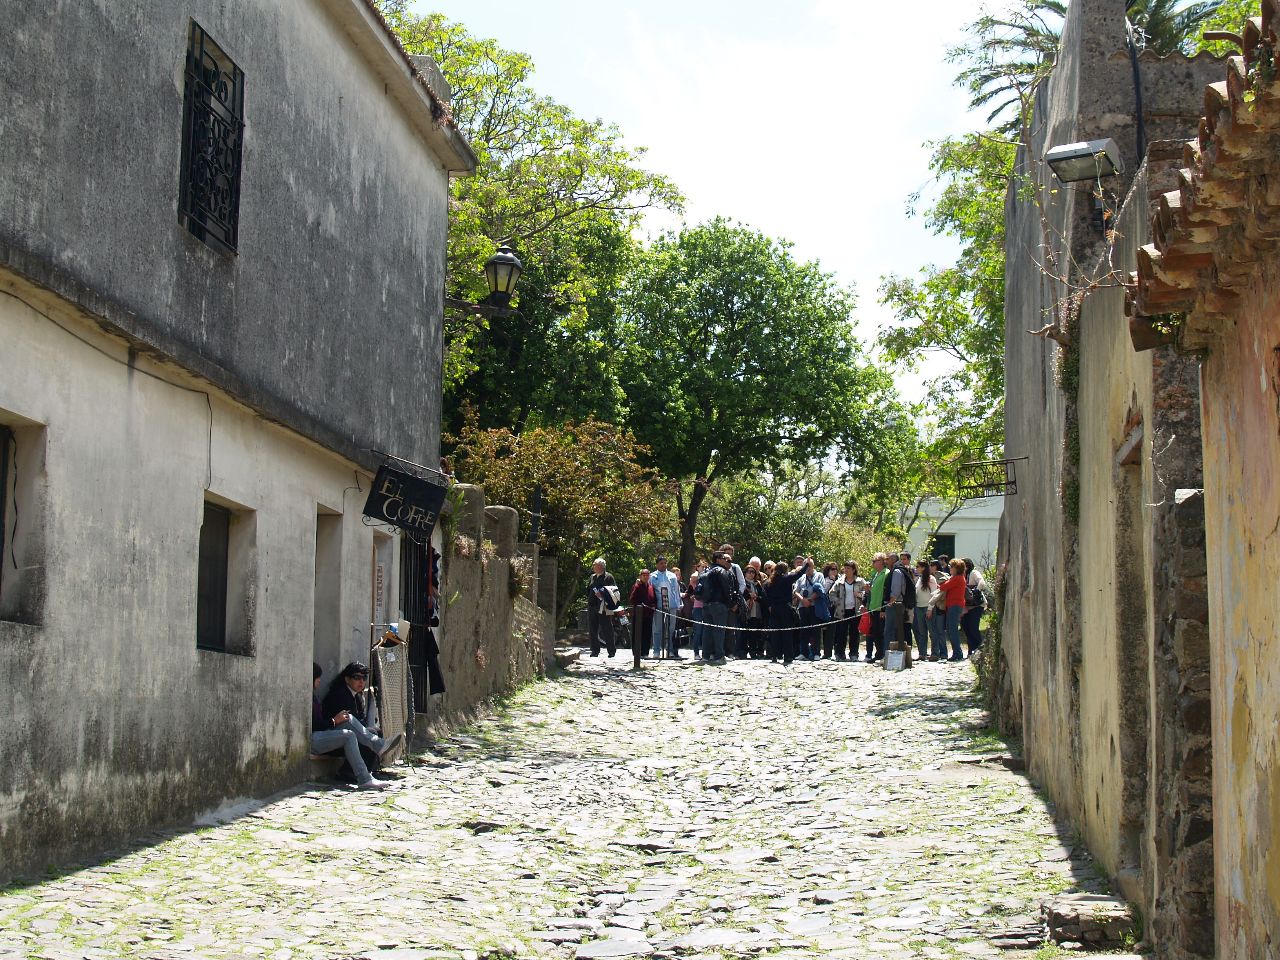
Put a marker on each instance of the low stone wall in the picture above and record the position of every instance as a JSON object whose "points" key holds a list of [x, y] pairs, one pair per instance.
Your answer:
{"points": [[492, 637]]}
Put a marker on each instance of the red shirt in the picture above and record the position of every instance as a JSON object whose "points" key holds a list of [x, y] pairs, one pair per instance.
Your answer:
{"points": [[953, 587]]}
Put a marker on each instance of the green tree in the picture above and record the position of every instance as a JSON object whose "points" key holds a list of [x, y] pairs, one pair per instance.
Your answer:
{"points": [[796, 510], [958, 310], [1229, 17], [546, 364], [738, 358], [549, 182], [595, 492]]}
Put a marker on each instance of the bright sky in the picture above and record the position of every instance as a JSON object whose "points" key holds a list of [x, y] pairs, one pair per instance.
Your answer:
{"points": [[806, 120]]}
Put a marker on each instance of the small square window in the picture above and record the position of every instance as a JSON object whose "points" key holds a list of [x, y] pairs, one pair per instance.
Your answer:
{"points": [[212, 142]]}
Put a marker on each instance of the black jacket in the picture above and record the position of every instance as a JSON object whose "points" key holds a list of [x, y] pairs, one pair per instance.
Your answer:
{"points": [[341, 698], [720, 586]]}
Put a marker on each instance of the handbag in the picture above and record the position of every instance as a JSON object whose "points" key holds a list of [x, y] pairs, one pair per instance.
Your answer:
{"points": [[864, 624], [973, 597]]}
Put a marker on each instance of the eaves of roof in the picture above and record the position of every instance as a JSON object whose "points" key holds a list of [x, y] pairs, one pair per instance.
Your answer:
{"points": [[426, 107]]}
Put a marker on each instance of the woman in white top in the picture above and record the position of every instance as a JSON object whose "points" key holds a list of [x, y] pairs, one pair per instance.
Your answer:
{"points": [[845, 596], [926, 587]]}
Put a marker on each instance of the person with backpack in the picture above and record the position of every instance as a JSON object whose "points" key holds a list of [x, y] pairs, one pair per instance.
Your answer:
{"points": [[720, 598], [975, 602], [900, 596], [813, 610]]}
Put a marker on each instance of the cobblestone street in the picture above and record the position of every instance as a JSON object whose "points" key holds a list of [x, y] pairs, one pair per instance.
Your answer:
{"points": [[825, 810]]}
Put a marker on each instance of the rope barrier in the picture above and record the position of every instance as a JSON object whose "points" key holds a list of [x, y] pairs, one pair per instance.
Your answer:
{"points": [[716, 626]]}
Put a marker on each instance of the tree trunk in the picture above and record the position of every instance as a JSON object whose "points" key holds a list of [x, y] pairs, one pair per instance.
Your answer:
{"points": [[689, 525]]}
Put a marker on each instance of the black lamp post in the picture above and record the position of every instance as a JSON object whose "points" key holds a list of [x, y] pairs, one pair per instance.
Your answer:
{"points": [[502, 273]]}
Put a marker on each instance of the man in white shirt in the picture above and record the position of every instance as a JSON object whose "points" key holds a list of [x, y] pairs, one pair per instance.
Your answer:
{"points": [[666, 603]]}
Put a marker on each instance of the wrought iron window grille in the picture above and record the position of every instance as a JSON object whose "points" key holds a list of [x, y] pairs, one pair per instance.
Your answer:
{"points": [[988, 478], [212, 143]]}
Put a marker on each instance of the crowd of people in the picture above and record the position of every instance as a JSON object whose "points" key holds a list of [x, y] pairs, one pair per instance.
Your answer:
{"points": [[791, 611]]}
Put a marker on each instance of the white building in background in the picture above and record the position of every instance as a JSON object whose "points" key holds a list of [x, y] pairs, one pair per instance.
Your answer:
{"points": [[972, 531]]}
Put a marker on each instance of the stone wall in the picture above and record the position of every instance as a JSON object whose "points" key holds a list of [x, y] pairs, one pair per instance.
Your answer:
{"points": [[492, 637], [1210, 284], [1095, 545]]}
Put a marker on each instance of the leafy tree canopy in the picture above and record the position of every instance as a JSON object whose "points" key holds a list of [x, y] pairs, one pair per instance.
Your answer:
{"points": [[958, 310], [549, 182], [594, 490], [1229, 17], [736, 357]]}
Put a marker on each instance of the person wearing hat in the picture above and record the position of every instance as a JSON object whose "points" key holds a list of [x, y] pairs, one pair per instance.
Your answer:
{"points": [[331, 732], [346, 705]]}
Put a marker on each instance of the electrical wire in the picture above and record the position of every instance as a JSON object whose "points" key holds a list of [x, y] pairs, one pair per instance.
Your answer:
{"points": [[125, 363]]}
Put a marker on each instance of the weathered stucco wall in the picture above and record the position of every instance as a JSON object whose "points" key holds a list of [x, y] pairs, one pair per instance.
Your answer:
{"points": [[115, 722], [1092, 682], [1240, 382], [330, 311]]}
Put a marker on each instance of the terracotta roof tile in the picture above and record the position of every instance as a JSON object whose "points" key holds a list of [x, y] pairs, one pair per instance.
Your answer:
{"points": [[1208, 235]]}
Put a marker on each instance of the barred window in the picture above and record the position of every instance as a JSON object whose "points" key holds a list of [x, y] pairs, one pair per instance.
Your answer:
{"points": [[212, 138]]}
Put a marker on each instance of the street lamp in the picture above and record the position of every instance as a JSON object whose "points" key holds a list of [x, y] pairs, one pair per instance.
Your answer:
{"points": [[502, 273]]}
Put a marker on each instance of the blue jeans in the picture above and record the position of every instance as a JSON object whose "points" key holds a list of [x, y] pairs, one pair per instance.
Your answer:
{"points": [[920, 628], [937, 634], [349, 737], [953, 631], [971, 624], [664, 629], [717, 616], [699, 616]]}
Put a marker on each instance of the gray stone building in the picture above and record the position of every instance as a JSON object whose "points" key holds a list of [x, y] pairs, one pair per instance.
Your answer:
{"points": [[222, 247], [1105, 646]]}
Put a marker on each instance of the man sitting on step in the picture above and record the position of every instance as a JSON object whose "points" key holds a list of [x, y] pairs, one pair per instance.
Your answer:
{"points": [[337, 723]]}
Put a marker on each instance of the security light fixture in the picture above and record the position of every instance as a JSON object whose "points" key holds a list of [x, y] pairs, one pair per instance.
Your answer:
{"points": [[1074, 162], [502, 271]]}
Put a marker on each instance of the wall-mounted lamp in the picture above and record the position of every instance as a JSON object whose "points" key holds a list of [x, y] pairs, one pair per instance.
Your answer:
{"points": [[1076, 162], [502, 273]]}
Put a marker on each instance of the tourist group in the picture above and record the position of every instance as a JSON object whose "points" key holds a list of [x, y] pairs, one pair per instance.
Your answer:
{"points": [[787, 612]]}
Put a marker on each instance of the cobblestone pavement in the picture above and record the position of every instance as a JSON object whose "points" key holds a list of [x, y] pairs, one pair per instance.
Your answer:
{"points": [[825, 810]]}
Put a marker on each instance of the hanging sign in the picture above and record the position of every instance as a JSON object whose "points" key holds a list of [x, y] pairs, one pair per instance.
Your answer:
{"points": [[404, 501]]}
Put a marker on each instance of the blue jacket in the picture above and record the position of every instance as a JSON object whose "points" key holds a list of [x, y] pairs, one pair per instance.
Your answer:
{"points": [[665, 578]]}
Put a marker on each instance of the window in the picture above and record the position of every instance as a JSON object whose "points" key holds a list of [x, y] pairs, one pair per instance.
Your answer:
{"points": [[942, 545], [226, 579], [22, 570], [212, 139], [211, 592], [8, 447]]}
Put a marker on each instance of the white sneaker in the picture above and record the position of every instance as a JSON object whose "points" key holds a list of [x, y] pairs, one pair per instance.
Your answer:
{"points": [[374, 785]]}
